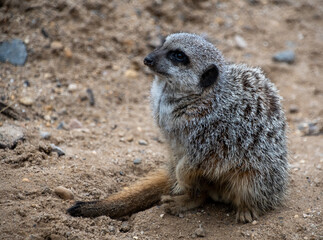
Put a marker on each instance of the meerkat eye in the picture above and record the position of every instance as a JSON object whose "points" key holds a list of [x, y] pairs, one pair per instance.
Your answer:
{"points": [[178, 57]]}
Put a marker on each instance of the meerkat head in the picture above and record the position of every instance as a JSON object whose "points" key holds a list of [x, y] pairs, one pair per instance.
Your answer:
{"points": [[187, 62]]}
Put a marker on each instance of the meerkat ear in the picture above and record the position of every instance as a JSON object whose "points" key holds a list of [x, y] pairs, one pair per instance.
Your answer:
{"points": [[210, 76]]}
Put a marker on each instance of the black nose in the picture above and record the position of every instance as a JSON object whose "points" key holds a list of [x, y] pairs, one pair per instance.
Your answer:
{"points": [[149, 61]]}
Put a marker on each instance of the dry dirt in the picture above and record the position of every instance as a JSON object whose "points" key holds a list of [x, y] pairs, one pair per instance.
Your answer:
{"points": [[78, 45]]}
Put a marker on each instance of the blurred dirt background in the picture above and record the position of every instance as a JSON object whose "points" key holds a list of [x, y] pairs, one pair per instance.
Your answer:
{"points": [[85, 90]]}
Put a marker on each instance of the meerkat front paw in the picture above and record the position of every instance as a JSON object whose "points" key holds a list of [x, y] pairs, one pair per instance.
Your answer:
{"points": [[245, 215], [170, 205]]}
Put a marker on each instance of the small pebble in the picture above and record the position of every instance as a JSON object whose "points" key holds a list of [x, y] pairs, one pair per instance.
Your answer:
{"points": [[137, 161], [64, 193], [45, 135], [10, 135], [74, 124], [58, 150], [129, 138], [125, 227], [200, 232], [296, 216], [56, 45], [112, 229], [68, 52], [240, 42], [310, 128], [25, 180], [47, 117], [61, 125], [287, 56], [26, 83], [72, 87], [155, 41], [254, 222], [142, 142], [27, 101], [91, 96], [44, 32], [293, 109], [130, 73]]}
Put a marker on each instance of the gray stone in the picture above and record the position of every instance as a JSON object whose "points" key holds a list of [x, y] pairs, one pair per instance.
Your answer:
{"points": [[293, 109], [45, 135], [311, 128], [200, 232], [59, 151], [137, 161], [287, 56], [10, 135], [13, 51], [143, 142], [125, 227]]}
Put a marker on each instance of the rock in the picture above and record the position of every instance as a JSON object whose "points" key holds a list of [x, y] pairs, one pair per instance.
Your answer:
{"points": [[293, 109], [56, 149], [137, 161], [27, 101], [91, 96], [10, 135], [125, 227], [45, 135], [68, 52], [62, 125], [111, 229], [130, 73], [200, 232], [102, 52], [26, 83], [47, 117], [254, 222], [25, 180], [74, 124], [155, 41], [64, 193], [310, 128], [72, 87], [240, 42], [44, 32], [56, 45], [287, 56], [13, 51], [143, 142]]}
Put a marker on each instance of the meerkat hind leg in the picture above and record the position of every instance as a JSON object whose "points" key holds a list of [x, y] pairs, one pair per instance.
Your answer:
{"points": [[177, 204]]}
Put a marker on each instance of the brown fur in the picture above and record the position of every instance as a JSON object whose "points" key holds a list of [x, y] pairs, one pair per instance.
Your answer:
{"points": [[141, 195]]}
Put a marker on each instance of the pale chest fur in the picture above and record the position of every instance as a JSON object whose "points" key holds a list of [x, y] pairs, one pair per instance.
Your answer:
{"points": [[163, 114], [162, 109]]}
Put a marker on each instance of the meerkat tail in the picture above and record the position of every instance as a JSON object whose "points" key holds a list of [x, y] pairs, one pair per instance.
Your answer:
{"points": [[137, 197]]}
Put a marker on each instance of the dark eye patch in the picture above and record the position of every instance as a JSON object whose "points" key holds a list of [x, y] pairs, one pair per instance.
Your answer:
{"points": [[178, 57]]}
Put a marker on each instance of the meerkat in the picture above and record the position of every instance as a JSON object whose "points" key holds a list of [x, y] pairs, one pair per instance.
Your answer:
{"points": [[225, 129]]}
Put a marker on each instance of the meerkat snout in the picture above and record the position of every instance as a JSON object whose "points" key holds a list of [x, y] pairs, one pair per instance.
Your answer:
{"points": [[149, 61]]}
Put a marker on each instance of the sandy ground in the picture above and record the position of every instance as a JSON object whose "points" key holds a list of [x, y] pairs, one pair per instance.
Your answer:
{"points": [[99, 45]]}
